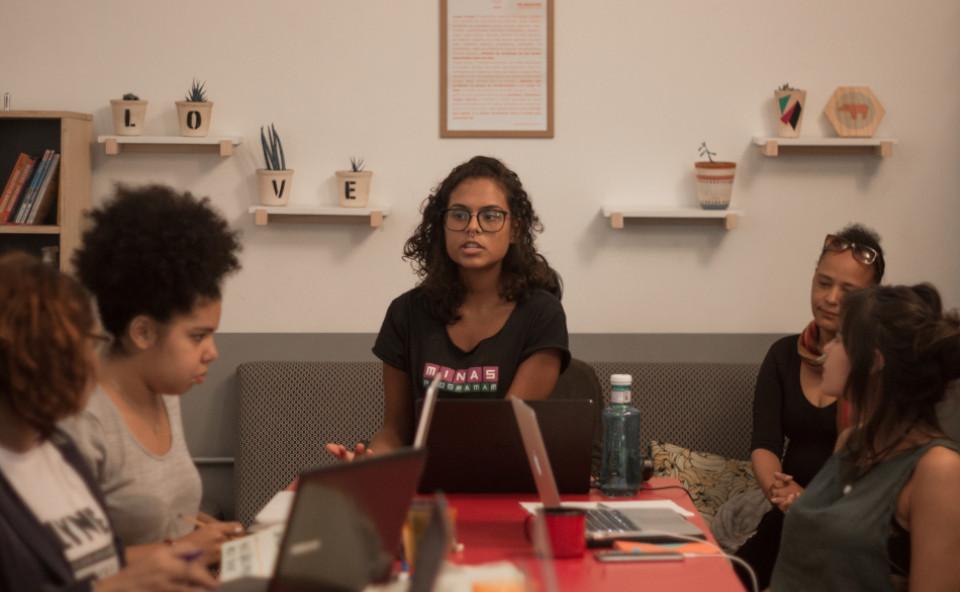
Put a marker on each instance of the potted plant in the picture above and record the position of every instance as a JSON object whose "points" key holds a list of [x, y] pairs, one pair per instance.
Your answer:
{"points": [[128, 115], [790, 103], [276, 181], [714, 180], [354, 185], [194, 112]]}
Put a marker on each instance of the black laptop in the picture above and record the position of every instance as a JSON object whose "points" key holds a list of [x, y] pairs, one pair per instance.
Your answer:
{"points": [[344, 527], [475, 447]]}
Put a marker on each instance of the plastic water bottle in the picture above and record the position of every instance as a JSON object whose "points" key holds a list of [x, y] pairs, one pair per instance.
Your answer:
{"points": [[620, 471]]}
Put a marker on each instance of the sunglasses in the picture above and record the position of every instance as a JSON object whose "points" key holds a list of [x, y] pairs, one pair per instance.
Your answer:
{"points": [[862, 253]]}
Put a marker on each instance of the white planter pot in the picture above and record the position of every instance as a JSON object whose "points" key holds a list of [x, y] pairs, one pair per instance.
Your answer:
{"points": [[194, 118], [714, 184], [354, 188], [274, 187], [128, 117], [790, 106]]}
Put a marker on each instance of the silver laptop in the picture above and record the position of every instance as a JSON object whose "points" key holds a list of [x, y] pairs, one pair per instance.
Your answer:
{"points": [[603, 525]]}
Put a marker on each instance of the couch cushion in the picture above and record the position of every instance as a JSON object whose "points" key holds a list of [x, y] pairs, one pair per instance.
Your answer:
{"points": [[711, 479]]}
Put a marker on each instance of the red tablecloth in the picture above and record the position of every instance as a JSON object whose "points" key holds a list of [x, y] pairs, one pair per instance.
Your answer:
{"points": [[491, 528]]}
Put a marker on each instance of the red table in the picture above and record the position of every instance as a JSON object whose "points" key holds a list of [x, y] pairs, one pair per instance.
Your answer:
{"points": [[491, 528]]}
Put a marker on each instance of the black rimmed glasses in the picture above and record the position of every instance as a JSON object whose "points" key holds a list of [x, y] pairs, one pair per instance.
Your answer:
{"points": [[862, 253], [102, 342], [489, 219]]}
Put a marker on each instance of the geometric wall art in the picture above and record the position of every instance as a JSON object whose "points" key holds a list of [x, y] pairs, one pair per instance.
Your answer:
{"points": [[854, 112]]}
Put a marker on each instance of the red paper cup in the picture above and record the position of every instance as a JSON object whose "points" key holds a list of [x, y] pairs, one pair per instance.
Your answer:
{"points": [[566, 531]]}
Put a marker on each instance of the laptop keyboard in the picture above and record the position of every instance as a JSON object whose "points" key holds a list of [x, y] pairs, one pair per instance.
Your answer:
{"points": [[600, 520]]}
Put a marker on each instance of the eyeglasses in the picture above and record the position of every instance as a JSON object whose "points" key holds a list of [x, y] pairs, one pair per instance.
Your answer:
{"points": [[489, 219], [103, 342], [862, 253]]}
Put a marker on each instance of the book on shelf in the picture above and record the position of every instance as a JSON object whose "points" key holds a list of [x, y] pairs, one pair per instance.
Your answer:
{"points": [[18, 188], [12, 180], [26, 202], [45, 194]]}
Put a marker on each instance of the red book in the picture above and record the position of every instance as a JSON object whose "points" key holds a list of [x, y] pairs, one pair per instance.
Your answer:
{"points": [[18, 190], [12, 180]]}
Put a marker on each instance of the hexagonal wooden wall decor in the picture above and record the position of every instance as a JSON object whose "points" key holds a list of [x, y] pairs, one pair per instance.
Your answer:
{"points": [[854, 112]]}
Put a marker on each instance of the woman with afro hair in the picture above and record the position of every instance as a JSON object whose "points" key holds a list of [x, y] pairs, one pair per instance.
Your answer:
{"points": [[486, 314], [154, 259]]}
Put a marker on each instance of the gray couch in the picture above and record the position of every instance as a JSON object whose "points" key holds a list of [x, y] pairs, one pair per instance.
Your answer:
{"points": [[288, 410]]}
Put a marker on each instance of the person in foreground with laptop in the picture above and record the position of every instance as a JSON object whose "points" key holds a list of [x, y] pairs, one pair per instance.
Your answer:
{"points": [[882, 513], [486, 314], [155, 259], [55, 532]]}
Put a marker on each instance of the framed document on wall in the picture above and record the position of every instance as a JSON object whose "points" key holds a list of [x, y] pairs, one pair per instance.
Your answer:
{"points": [[496, 68]]}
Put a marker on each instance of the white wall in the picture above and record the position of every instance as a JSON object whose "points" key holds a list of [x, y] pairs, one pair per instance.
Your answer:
{"points": [[638, 86]]}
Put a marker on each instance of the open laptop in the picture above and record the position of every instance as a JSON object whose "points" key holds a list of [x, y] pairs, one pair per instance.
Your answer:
{"points": [[344, 526], [475, 446], [603, 525]]}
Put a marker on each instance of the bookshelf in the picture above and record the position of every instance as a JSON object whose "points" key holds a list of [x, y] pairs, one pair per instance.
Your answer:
{"points": [[70, 134]]}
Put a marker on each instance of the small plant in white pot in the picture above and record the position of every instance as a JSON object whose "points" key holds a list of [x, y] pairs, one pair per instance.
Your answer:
{"points": [[790, 103], [195, 111], [354, 185], [714, 180], [128, 115], [276, 181]]}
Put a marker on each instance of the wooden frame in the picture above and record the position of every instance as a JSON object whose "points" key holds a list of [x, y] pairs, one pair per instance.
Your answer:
{"points": [[492, 125]]}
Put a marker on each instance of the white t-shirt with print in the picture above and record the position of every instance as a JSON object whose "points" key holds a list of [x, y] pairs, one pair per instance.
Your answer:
{"points": [[61, 501]]}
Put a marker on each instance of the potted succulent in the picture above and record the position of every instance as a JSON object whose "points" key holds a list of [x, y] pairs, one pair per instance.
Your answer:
{"points": [[276, 181], [194, 112], [354, 185], [790, 103], [128, 115], [714, 180]]}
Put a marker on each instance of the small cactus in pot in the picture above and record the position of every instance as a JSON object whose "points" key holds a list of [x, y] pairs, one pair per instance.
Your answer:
{"points": [[129, 113], [194, 112]]}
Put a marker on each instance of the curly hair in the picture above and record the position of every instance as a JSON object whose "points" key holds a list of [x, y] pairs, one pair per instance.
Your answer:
{"points": [[154, 251], [865, 237], [46, 318], [920, 345], [523, 269]]}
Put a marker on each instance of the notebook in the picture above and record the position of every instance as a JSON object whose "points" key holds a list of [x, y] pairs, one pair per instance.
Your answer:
{"points": [[604, 525], [475, 446], [344, 526]]}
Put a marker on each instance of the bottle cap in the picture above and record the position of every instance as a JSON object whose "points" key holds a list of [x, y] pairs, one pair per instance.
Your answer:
{"points": [[621, 380]]}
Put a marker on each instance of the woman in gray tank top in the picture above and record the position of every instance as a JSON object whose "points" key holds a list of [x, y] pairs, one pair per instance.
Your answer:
{"points": [[882, 513]]}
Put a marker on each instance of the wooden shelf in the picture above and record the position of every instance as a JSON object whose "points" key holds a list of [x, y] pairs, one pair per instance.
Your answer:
{"points": [[46, 115], [618, 215], [214, 144], [28, 229], [773, 146], [262, 214]]}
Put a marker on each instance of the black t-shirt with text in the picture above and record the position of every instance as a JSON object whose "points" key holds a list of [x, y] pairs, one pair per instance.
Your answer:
{"points": [[413, 340]]}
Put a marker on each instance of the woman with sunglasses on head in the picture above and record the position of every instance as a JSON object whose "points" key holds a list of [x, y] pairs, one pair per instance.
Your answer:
{"points": [[882, 513], [155, 260], [55, 531], [486, 314], [789, 403]]}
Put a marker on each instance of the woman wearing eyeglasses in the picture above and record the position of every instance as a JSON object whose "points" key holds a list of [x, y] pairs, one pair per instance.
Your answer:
{"points": [[486, 314], [55, 531], [790, 404], [882, 513]]}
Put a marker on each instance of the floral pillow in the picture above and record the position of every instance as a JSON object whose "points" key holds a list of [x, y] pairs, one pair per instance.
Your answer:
{"points": [[710, 478]]}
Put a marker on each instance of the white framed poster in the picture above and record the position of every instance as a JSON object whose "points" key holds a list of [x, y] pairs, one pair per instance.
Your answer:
{"points": [[496, 68]]}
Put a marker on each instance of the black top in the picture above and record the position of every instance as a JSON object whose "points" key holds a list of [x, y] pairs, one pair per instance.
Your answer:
{"points": [[412, 340], [781, 412], [31, 556]]}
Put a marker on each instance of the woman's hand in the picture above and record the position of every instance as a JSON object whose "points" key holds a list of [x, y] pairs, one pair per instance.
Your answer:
{"points": [[342, 453], [209, 535], [784, 491], [167, 569]]}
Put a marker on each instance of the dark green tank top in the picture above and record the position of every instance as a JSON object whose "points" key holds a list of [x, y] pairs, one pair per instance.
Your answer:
{"points": [[835, 535]]}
